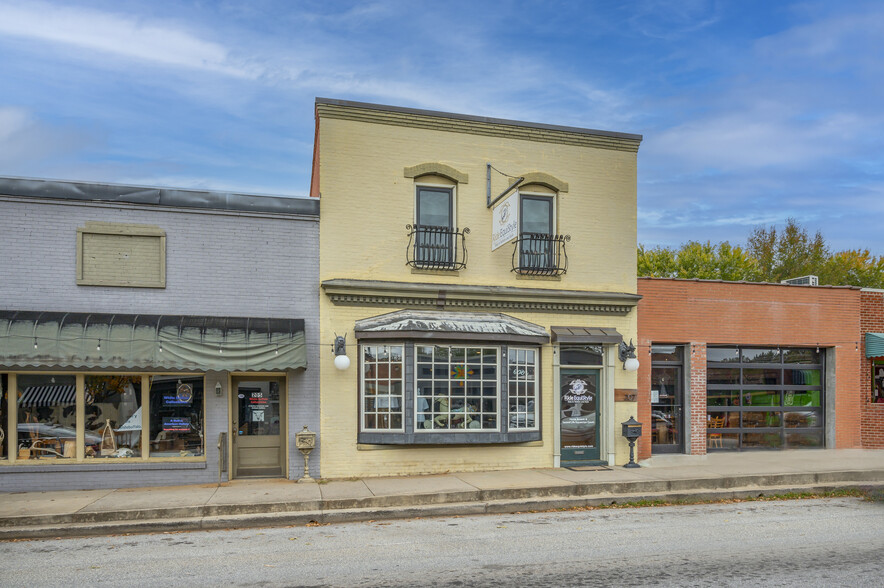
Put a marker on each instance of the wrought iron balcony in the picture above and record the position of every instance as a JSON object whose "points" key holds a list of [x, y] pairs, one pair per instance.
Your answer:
{"points": [[439, 248], [540, 254]]}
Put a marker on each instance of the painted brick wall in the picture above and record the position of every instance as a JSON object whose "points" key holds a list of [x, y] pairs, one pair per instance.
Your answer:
{"points": [[871, 321], [220, 263], [702, 313], [364, 186]]}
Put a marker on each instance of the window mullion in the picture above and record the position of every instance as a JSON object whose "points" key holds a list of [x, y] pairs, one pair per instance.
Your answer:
{"points": [[145, 417], [81, 417]]}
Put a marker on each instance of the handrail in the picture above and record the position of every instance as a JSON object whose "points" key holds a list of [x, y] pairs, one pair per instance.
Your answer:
{"points": [[436, 247], [540, 254]]}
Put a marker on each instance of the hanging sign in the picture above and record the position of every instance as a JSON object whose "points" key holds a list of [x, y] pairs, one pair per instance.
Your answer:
{"points": [[505, 221]]}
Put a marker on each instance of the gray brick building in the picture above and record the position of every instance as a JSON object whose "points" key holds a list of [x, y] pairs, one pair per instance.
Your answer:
{"points": [[201, 306]]}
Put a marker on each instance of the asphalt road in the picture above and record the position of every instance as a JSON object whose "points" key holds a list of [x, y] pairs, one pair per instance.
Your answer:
{"points": [[826, 542]]}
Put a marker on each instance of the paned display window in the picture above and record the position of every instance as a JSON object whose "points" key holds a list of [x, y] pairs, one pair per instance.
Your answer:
{"points": [[878, 381], [522, 388], [4, 419], [47, 417], [113, 416], [176, 416], [428, 393], [764, 398], [46, 413], [456, 387], [382, 387]]}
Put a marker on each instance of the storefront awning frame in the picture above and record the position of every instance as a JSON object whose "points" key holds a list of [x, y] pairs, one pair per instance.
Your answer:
{"points": [[874, 344], [35, 339], [586, 335], [443, 325]]}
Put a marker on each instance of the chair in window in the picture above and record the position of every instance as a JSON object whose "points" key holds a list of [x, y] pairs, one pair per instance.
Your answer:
{"points": [[714, 439]]}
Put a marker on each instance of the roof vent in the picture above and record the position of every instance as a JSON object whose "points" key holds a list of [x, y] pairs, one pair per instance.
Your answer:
{"points": [[803, 281]]}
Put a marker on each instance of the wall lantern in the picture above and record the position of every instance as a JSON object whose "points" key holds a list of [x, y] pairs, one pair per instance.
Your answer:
{"points": [[218, 389], [627, 356], [339, 348]]}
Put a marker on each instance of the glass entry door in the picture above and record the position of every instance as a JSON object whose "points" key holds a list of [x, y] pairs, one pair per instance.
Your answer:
{"points": [[258, 427], [667, 413], [579, 389]]}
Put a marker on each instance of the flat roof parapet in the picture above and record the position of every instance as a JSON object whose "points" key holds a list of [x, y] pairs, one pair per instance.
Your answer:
{"points": [[479, 125], [174, 197]]}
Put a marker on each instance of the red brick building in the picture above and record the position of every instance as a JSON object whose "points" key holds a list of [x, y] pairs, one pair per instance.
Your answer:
{"points": [[739, 366], [872, 372]]}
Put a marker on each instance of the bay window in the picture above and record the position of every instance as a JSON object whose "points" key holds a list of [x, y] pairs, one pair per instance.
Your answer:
{"points": [[441, 393]]}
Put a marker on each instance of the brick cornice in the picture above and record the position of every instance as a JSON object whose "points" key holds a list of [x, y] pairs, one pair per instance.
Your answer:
{"points": [[468, 297], [478, 126]]}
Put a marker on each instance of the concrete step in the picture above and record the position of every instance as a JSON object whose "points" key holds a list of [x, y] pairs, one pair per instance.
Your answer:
{"points": [[31, 529]]}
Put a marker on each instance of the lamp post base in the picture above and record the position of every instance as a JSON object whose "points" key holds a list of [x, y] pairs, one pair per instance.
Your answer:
{"points": [[632, 463]]}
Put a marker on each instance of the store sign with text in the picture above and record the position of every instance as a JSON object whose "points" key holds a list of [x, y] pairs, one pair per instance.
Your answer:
{"points": [[505, 221]]}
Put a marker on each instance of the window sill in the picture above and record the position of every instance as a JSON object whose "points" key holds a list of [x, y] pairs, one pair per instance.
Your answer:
{"points": [[30, 466], [452, 438], [538, 277], [435, 272]]}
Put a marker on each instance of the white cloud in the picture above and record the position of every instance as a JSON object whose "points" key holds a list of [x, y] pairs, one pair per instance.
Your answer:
{"points": [[119, 35], [25, 142]]}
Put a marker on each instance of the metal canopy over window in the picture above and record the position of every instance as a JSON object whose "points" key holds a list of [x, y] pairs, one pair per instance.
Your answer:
{"points": [[586, 335], [874, 344], [422, 324], [154, 342]]}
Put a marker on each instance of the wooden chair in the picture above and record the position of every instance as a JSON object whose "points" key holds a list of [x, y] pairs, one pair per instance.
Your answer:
{"points": [[714, 439]]}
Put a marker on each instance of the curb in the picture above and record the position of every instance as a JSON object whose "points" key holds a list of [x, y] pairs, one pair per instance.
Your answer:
{"points": [[571, 492], [350, 515]]}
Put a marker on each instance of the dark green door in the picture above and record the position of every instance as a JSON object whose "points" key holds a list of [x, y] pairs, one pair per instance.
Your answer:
{"points": [[579, 389]]}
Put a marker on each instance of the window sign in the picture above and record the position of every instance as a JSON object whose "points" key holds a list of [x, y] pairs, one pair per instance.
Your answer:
{"points": [[505, 221], [655, 396], [176, 424]]}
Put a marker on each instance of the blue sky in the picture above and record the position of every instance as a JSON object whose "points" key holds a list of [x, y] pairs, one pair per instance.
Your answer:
{"points": [[752, 112]]}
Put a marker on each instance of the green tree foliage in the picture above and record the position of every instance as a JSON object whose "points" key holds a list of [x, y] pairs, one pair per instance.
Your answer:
{"points": [[697, 260], [853, 267], [771, 255], [789, 253]]}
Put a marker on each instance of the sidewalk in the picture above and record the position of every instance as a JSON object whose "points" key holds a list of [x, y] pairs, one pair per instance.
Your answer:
{"points": [[256, 503]]}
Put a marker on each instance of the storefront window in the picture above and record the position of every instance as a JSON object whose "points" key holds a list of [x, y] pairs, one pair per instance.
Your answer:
{"points": [[457, 387], [47, 417], [113, 416], [581, 355], [521, 374], [878, 381], [176, 416], [4, 402], [775, 399], [382, 387]]}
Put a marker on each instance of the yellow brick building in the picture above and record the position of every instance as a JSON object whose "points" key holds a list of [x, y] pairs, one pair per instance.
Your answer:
{"points": [[483, 274]]}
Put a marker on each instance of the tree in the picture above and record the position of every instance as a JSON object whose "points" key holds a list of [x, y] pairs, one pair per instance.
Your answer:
{"points": [[853, 267], [770, 256], [789, 253], [697, 260]]}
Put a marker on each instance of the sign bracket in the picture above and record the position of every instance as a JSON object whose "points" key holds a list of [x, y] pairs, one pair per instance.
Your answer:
{"points": [[512, 187]]}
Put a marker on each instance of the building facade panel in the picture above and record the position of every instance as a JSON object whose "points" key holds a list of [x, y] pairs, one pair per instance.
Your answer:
{"points": [[764, 320], [383, 174], [220, 261], [872, 371]]}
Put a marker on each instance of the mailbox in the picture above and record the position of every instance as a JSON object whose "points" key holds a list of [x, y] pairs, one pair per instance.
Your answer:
{"points": [[632, 430], [305, 441]]}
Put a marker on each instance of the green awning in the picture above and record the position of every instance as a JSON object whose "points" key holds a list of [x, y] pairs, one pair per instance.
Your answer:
{"points": [[30, 339], [874, 344]]}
